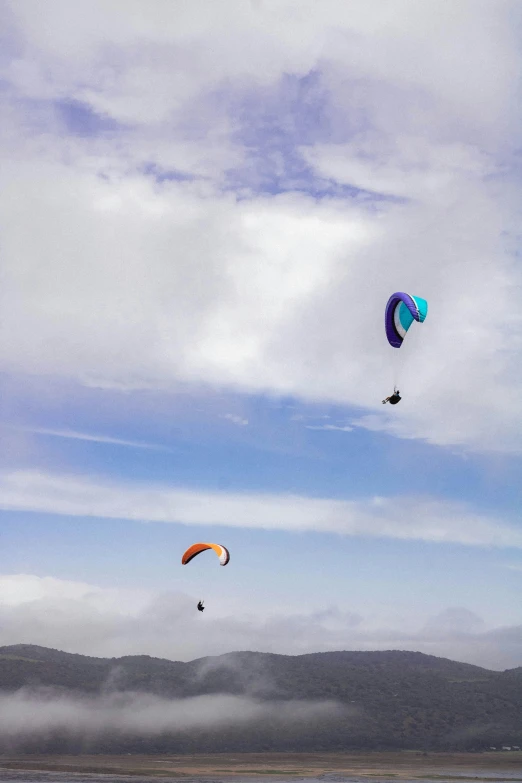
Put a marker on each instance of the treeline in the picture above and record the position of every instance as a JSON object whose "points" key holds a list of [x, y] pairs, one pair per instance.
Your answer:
{"points": [[392, 700]]}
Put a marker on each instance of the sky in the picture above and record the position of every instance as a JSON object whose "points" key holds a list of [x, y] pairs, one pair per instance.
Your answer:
{"points": [[204, 208]]}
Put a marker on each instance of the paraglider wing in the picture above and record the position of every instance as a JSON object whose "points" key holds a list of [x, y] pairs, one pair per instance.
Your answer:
{"points": [[196, 549], [401, 311]]}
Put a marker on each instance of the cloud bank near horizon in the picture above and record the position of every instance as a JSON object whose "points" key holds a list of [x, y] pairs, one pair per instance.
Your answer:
{"points": [[107, 622]]}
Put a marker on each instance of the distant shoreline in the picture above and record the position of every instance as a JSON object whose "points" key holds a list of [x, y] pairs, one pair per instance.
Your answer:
{"points": [[328, 767]]}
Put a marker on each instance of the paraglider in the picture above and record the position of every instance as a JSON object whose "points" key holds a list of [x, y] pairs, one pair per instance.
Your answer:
{"points": [[196, 549], [394, 398], [401, 311]]}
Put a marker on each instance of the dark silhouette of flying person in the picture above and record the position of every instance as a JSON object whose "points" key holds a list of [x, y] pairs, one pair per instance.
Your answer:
{"points": [[393, 399]]}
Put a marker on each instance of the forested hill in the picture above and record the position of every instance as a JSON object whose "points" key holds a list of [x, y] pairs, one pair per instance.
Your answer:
{"points": [[390, 699]]}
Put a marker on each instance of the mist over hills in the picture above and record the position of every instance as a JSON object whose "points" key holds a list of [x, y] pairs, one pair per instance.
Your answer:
{"points": [[57, 702]]}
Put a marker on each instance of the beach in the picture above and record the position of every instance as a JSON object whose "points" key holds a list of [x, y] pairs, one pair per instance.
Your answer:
{"points": [[211, 768]]}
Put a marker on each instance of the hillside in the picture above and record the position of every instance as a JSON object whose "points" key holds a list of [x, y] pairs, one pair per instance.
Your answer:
{"points": [[390, 699]]}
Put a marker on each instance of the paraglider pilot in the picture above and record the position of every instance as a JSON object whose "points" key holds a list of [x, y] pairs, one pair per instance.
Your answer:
{"points": [[393, 399], [201, 608]]}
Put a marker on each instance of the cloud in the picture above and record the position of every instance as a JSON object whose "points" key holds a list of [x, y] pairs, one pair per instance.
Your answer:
{"points": [[406, 518], [513, 566], [29, 713], [454, 621], [107, 623], [398, 44], [413, 168], [71, 434], [328, 427], [239, 420], [141, 254], [19, 589], [276, 322]]}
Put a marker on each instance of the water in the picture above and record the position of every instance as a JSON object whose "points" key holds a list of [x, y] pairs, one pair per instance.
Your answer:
{"points": [[441, 776]]}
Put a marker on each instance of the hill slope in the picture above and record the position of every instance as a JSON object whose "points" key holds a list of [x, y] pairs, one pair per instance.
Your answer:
{"points": [[390, 699]]}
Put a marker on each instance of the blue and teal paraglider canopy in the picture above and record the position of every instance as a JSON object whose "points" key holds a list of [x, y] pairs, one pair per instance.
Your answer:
{"points": [[401, 311]]}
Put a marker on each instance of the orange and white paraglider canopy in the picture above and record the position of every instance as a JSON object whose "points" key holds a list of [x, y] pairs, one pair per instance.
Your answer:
{"points": [[196, 549]]}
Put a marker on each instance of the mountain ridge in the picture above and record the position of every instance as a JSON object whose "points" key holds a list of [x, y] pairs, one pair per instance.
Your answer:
{"points": [[389, 699]]}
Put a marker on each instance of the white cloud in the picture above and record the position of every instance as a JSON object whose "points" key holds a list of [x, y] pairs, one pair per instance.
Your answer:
{"points": [[455, 620], [406, 518], [239, 420], [329, 427], [65, 616], [279, 322], [19, 589], [116, 280], [139, 64], [412, 168], [73, 435]]}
